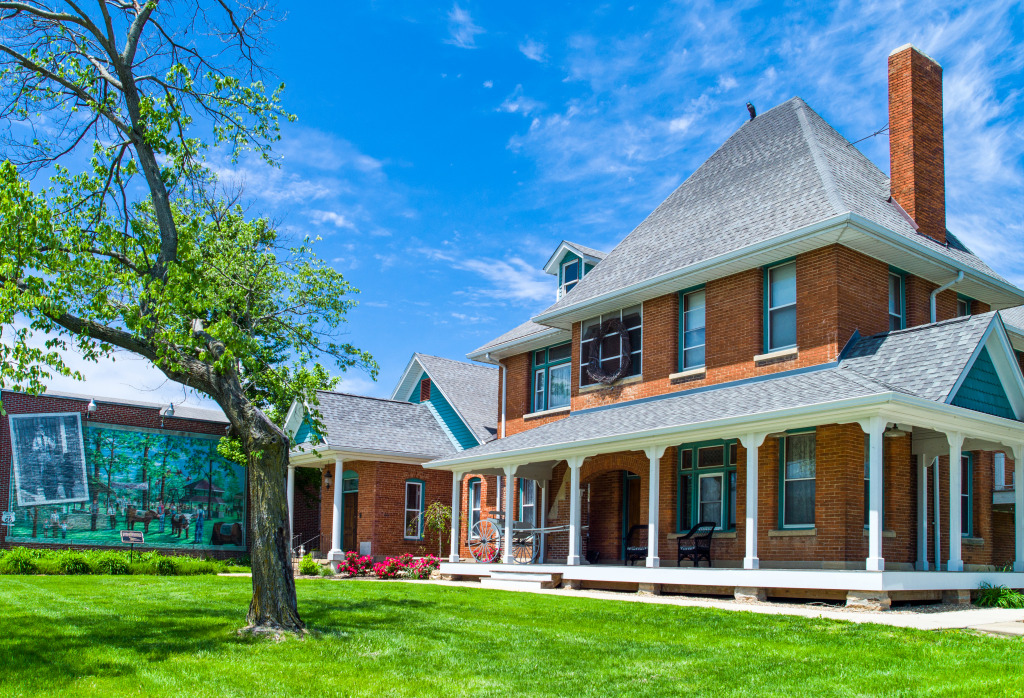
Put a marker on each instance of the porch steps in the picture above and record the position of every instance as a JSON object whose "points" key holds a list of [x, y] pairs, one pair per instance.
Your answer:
{"points": [[520, 581]]}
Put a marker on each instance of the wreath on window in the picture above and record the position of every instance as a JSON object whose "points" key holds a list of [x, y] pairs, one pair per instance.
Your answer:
{"points": [[597, 333]]}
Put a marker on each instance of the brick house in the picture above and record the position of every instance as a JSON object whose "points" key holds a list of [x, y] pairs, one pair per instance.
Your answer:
{"points": [[78, 469], [791, 347], [374, 488]]}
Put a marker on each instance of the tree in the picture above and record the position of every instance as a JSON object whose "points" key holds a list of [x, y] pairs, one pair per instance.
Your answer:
{"points": [[438, 518], [137, 250]]}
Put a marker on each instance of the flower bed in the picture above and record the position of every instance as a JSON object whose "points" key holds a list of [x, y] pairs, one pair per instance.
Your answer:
{"points": [[401, 567]]}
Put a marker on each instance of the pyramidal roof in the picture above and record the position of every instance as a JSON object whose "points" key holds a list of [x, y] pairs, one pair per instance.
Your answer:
{"points": [[782, 171]]}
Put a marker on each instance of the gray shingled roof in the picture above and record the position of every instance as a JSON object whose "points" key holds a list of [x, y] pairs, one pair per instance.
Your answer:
{"points": [[782, 171], [472, 390], [181, 411], [358, 423], [924, 361], [523, 331], [588, 251], [1013, 317]]}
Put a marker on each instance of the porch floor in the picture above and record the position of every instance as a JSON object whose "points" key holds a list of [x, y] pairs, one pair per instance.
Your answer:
{"points": [[772, 578]]}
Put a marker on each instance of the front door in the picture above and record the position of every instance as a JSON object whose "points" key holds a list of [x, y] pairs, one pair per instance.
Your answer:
{"points": [[630, 505], [351, 508]]}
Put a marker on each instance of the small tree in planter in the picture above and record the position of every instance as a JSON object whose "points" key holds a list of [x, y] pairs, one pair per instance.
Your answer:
{"points": [[438, 517]]}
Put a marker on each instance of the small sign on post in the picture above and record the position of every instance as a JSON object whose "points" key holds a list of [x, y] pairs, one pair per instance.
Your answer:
{"points": [[131, 538], [8, 518]]}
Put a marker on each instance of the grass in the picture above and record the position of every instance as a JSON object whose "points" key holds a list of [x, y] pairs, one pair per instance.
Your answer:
{"points": [[171, 636]]}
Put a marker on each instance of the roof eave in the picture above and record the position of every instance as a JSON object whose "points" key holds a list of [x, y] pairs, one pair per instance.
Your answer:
{"points": [[537, 340]]}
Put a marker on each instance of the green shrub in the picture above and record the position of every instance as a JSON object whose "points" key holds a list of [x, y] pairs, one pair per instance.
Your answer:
{"points": [[167, 566], [111, 563], [999, 597], [307, 567], [18, 561], [70, 562], [326, 571]]}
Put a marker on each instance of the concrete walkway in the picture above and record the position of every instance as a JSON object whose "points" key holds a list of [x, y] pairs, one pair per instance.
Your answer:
{"points": [[999, 621]]}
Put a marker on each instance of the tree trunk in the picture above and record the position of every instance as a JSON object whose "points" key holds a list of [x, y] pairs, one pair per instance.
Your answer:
{"points": [[274, 606]]}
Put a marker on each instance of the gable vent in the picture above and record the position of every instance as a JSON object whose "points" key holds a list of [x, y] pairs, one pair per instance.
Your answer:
{"points": [[424, 390]]}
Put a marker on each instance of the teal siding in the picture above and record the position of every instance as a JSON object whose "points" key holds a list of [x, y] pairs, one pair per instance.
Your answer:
{"points": [[304, 433], [447, 415], [982, 391]]}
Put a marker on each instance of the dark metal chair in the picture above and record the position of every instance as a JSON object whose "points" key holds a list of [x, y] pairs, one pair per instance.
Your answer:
{"points": [[696, 544], [636, 544]]}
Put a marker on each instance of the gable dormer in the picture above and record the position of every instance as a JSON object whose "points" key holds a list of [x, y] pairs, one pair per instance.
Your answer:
{"points": [[570, 263]]}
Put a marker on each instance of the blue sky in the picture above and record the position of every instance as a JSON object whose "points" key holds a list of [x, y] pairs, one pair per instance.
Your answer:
{"points": [[443, 151]]}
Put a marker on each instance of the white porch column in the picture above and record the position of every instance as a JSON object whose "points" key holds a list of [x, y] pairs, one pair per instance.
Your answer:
{"points": [[875, 428], [654, 454], [336, 552], [543, 520], [751, 443], [575, 463], [922, 512], [506, 556], [453, 555], [936, 514], [956, 443], [291, 507], [1018, 508]]}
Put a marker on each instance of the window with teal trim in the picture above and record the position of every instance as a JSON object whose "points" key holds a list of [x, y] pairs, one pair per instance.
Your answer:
{"points": [[475, 505], [966, 498], [571, 275], [707, 485], [780, 306], [963, 306], [415, 499], [609, 352], [528, 501], [797, 470], [897, 302], [692, 326], [552, 377]]}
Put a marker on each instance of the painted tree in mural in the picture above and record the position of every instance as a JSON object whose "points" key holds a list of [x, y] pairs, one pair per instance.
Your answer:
{"points": [[131, 247]]}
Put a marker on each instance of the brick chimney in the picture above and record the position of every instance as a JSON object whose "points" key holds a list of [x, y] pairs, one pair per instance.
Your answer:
{"points": [[916, 163]]}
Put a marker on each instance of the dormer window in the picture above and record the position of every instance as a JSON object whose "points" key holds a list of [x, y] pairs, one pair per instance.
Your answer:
{"points": [[570, 275]]}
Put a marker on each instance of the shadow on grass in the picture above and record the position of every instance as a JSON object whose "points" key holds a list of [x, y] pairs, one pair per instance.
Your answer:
{"points": [[153, 625]]}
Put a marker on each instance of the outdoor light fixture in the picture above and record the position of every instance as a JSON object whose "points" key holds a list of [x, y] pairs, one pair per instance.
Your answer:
{"points": [[328, 478], [91, 409], [166, 412], [894, 432]]}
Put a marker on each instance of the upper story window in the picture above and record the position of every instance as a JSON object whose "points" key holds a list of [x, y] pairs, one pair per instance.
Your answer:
{"points": [[552, 377], [609, 352], [780, 307], [897, 302], [692, 335], [963, 306], [572, 272]]}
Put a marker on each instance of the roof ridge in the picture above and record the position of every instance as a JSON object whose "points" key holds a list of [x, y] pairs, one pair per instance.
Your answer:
{"points": [[366, 397], [828, 182], [929, 325], [471, 364]]}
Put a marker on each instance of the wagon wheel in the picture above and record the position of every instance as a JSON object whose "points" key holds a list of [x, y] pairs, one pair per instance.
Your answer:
{"points": [[524, 548], [485, 541]]}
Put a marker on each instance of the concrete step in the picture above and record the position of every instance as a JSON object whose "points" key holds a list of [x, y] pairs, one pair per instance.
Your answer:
{"points": [[521, 581]]}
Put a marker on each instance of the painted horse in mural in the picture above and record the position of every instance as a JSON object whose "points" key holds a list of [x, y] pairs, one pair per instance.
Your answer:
{"points": [[180, 524], [132, 516]]}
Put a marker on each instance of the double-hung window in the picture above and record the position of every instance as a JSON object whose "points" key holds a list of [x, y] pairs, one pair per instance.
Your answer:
{"points": [[528, 501], [707, 485], [1000, 468], [897, 302], [414, 502], [966, 500], [475, 502], [780, 307], [552, 370], [571, 274], [963, 306], [692, 325], [609, 351], [797, 463]]}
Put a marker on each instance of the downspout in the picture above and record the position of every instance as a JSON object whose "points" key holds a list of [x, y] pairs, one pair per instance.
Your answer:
{"points": [[504, 383], [940, 289]]}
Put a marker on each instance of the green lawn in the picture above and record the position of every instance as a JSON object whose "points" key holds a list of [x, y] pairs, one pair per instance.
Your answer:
{"points": [[173, 636]]}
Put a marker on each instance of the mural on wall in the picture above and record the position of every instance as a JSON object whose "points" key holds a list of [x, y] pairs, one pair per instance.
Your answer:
{"points": [[82, 486]]}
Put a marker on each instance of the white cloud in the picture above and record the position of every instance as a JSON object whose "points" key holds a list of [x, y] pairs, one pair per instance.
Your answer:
{"points": [[512, 279], [534, 50], [462, 30], [518, 103], [488, 84], [338, 220]]}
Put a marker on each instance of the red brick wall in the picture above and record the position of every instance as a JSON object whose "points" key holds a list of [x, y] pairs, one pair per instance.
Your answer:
{"points": [[381, 507], [106, 413], [916, 162]]}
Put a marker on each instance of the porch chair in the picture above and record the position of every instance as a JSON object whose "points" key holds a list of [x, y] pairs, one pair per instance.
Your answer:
{"points": [[696, 544], [636, 544]]}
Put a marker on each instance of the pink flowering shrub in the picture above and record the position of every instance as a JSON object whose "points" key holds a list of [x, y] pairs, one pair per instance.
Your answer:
{"points": [[355, 565], [421, 569], [389, 569]]}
